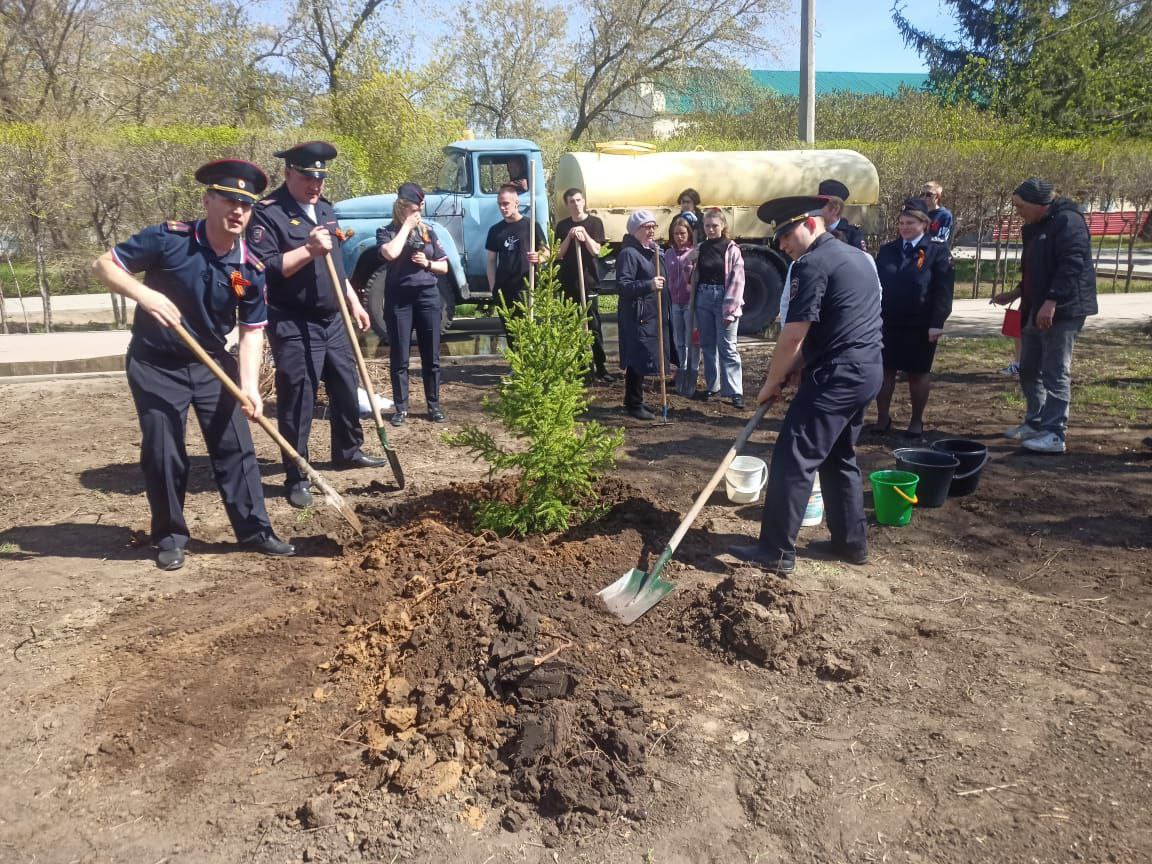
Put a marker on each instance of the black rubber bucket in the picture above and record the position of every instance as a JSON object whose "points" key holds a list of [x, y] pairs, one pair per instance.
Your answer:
{"points": [[973, 457], [933, 467]]}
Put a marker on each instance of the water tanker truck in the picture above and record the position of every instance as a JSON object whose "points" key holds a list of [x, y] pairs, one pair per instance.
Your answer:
{"points": [[616, 178]]}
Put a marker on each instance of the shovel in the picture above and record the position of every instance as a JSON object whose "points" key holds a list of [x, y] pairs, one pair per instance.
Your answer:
{"points": [[636, 592], [331, 498], [661, 366], [686, 377], [389, 451]]}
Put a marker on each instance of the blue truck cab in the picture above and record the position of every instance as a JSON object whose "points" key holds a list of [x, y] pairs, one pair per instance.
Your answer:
{"points": [[459, 210]]}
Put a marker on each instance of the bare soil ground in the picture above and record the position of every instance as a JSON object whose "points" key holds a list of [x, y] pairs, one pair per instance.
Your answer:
{"points": [[977, 692]]}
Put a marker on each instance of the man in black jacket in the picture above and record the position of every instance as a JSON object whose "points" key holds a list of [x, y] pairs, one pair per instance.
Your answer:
{"points": [[1057, 291]]}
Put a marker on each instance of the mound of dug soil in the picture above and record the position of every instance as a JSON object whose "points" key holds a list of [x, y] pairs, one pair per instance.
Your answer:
{"points": [[477, 663]]}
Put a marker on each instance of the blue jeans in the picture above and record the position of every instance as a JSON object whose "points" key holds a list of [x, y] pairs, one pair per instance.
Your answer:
{"points": [[1046, 373], [718, 343], [685, 350]]}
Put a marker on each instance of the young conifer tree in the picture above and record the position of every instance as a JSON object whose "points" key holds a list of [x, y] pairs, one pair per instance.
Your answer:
{"points": [[558, 460]]}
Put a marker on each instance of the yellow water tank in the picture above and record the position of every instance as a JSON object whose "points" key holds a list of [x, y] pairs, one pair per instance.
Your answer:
{"points": [[736, 181]]}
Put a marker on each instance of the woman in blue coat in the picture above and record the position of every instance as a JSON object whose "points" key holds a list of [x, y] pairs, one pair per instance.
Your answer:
{"points": [[916, 277], [637, 283]]}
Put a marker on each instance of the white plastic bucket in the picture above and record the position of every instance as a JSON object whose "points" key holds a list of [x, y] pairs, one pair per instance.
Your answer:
{"points": [[745, 478], [814, 512]]}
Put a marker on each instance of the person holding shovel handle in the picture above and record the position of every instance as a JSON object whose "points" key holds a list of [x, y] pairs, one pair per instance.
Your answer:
{"points": [[203, 276], [412, 299], [581, 235], [639, 319], [291, 232], [833, 330]]}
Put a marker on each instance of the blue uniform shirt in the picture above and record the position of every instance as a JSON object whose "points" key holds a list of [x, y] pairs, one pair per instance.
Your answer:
{"points": [[279, 225], [177, 261], [402, 273], [835, 287], [941, 224]]}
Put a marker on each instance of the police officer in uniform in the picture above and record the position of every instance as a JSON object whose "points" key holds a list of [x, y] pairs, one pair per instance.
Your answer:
{"points": [[831, 341], [834, 222], [197, 274], [291, 232]]}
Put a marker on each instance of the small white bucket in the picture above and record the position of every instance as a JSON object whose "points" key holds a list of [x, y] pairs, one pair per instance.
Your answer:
{"points": [[814, 512], [745, 478]]}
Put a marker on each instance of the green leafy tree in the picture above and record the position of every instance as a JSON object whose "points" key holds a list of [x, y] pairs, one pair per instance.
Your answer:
{"points": [[538, 403], [1063, 66]]}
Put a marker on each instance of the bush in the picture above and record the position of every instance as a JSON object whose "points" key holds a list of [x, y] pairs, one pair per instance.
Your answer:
{"points": [[538, 403]]}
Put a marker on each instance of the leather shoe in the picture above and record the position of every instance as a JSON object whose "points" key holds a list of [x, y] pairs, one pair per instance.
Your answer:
{"points": [[756, 554], [271, 545], [605, 377], [170, 559], [837, 552], [363, 460], [437, 416], [300, 495], [398, 418], [641, 412]]}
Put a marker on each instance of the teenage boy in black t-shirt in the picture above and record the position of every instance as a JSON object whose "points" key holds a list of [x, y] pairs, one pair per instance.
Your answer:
{"points": [[586, 233], [509, 260]]}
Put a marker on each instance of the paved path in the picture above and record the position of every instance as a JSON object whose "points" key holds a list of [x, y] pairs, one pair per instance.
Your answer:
{"points": [[96, 351]]}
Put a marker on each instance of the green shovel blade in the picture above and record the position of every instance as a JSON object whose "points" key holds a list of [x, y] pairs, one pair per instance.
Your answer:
{"points": [[636, 592]]}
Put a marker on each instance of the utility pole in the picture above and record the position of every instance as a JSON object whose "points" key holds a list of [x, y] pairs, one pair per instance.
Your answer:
{"points": [[807, 133]]}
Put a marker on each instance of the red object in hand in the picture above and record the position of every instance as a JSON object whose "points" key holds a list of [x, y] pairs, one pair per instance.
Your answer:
{"points": [[1011, 326]]}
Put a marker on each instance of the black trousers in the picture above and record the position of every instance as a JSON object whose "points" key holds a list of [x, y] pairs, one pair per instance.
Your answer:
{"points": [[421, 310], [633, 388], [596, 325], [306, 353], [163, 388], [819, 435]]}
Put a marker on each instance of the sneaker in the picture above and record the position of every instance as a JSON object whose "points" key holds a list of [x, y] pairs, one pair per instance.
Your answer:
{"points": [[1022, 432], [641, 412], [1046, 442], [1011, 370]]}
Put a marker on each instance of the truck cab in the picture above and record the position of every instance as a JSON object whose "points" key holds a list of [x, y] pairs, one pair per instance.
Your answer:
{"points": [[459, 211]]}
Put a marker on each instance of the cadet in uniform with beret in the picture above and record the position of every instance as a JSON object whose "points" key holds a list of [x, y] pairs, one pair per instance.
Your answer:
{"points": [[197, 274], [832, 338], [291, 232], [834, 221], [412, 299]]}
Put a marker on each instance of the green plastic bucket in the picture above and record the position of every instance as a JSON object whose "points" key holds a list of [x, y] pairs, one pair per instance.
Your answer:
{"points": [[893, 494]]}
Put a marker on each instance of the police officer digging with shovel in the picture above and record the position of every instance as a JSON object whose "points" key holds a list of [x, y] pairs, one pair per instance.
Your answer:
{"points": [[292, 231], [200, 275], [831, 343]]}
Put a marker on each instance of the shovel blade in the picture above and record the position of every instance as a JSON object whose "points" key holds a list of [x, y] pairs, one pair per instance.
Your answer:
{"points": [[393, 458], [635, 593]]}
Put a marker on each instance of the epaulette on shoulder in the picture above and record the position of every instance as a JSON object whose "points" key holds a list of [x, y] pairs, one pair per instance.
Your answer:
{"points": [[178, 227], [254, 262]]}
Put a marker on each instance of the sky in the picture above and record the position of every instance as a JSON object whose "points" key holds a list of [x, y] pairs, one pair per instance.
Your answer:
{"points": [[860, 36]]}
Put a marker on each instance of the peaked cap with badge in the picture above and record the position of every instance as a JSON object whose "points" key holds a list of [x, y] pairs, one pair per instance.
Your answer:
{"points": [[310, 158], [833, 189], [783, 213], [233, 178]]}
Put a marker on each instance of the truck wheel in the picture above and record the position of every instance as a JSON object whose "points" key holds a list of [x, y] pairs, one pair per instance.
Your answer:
{"points": [[374, 297], [763, 284]]}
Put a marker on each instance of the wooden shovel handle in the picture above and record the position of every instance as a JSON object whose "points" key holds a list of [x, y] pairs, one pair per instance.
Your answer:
{"points": [[350, 326]]}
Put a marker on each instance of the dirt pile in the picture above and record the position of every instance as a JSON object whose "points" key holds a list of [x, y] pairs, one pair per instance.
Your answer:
{"points": [[465, 676]]}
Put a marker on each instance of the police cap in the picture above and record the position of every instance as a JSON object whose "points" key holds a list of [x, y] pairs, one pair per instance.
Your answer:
{"points": [[833, 189], [783, 213], [311, 158], [233, 178], [410, 192], [915, 207]]}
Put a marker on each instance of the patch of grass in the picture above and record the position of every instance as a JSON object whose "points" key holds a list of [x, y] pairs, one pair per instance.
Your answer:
{"points": [[988, 352], [62, 280], [307, 514], [609, 303]]}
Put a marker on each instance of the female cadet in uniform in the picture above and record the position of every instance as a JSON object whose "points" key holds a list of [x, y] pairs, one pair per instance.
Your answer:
{"points": [[637, 283], [917, 276], [197, 274], [412, 298]]}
